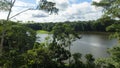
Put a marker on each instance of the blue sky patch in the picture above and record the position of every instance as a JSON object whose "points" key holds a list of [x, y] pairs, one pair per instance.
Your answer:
{"points": [[79, 1], [29, 1]]}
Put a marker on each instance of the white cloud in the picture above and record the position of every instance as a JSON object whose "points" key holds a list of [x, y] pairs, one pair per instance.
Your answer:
{"points": [[82, 11], [3, 15], [96, 0], [68, 12], [62, 4]]}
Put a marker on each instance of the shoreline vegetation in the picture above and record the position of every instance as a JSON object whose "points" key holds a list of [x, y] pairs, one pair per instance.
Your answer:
{"points": [[19, 49], [20, 33], [82, 32], [42, 32]]}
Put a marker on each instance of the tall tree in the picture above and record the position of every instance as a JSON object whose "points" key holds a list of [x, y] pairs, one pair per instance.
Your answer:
{"points": [[7, 5], [64, 35], [112, 10], [18, 39]]}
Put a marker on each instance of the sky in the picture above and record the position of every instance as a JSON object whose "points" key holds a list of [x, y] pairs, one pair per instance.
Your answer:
{"points": [[69, 10]]}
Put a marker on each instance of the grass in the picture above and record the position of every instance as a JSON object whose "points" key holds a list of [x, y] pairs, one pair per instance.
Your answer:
{"points": [[42, 32]]}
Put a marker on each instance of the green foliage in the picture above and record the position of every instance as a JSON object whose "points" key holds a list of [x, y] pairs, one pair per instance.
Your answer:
{"points": [[16, 35], [18, 39], [115, 55], [105, 63], [89, 61], [112, 10], [64, 34], [5, 5], [77, 56], [79, 26], [77, 63], [48, 6], [42, 32], [43, 5], [39, 57], [89, 57], [111, 7], [21, 51], [113, 61], [115, 27]]}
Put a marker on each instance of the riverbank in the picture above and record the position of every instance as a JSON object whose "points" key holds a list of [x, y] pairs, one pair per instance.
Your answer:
{"points": [[85, 32], [42, 32]]}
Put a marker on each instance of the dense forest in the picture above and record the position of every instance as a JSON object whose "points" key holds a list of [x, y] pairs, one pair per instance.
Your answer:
{"points": [[99, 25], [22, 50], [19, 49]]}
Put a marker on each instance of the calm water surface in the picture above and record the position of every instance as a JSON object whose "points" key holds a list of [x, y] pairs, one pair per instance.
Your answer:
{"points": [[96, 44]]}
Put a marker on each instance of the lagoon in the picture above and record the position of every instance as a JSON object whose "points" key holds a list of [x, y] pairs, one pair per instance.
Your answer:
{"points": [[96, 44]]}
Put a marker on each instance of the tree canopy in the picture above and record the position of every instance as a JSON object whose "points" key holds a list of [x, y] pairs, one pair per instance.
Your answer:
{"points": [[112, 10], [110, 7]]}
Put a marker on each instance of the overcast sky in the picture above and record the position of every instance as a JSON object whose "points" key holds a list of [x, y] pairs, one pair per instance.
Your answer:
{"points": [[69, 10]]}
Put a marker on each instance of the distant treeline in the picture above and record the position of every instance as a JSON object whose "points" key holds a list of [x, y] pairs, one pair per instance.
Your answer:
{"points": [[98, 25]]}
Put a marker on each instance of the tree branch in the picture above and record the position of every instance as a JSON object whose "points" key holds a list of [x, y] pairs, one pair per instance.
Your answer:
{"points": [[10, 9], [4, 27], [19, 13]]}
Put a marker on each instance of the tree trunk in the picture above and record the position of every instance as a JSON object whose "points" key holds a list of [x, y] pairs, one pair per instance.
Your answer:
{"points": [[69, 57], [4, 27]]}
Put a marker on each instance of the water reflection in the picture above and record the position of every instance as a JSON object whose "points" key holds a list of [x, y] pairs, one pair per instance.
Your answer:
{"points": [[96, 44]]}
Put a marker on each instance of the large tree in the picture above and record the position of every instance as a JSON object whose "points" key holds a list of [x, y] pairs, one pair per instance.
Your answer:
{"points": [[112, 10], [16, 39], [63, 36], [7, 5]]}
